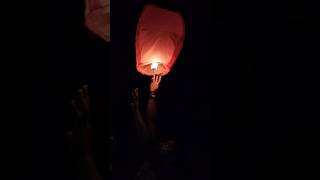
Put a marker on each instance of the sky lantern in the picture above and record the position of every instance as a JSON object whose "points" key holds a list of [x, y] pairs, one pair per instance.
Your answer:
{"points": [[97, 17], [159, 39]]}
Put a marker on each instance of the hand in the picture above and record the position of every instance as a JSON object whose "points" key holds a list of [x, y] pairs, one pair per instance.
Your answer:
{"points": [[156, 79], [81, 104], [135, 98], [82, 131]]}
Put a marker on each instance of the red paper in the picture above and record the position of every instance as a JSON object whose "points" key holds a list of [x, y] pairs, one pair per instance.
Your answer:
{"points": [[159, 39], [97, 17]]}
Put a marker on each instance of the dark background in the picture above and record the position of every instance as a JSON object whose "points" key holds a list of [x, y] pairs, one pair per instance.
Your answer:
{"points": [[238, 100]]}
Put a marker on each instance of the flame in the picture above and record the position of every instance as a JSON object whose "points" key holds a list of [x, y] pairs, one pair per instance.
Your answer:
{"points": [[154, 66]]}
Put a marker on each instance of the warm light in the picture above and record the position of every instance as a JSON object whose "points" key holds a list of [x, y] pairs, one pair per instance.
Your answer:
{"points": [[159, 39], [154, 66]]}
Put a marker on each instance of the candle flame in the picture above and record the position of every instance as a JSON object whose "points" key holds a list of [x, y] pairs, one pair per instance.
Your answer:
{"points": [[154, 66]]}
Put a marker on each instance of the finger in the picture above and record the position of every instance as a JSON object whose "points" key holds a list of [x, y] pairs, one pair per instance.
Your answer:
{"points": [[135, 93], [157, 78], [153, 78], [160, 78]]}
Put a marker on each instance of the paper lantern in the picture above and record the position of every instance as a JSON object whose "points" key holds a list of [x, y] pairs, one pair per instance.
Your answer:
{"points": [[159, 39], [97, 17]]}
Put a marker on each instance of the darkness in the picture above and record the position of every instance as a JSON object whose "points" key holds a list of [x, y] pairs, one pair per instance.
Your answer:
{"points": [[237, 100]]}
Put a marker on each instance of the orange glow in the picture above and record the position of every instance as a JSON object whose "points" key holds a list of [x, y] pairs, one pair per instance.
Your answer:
{"points": [[159, 39]]}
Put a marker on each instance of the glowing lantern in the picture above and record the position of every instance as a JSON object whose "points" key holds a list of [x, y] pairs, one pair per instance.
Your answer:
{"points": [[159, 39], [97, 17]]}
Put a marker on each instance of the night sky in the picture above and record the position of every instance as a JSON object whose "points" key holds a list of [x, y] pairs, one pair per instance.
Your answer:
{"points": [[231, 100]]}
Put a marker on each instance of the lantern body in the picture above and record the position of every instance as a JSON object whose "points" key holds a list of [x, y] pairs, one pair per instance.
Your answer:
{"points": [[159, 39], [97, 17]]}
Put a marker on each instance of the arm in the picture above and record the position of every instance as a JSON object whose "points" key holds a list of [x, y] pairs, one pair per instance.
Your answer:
{"points": [[139, 123], [151, 106], [82, 134]]}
